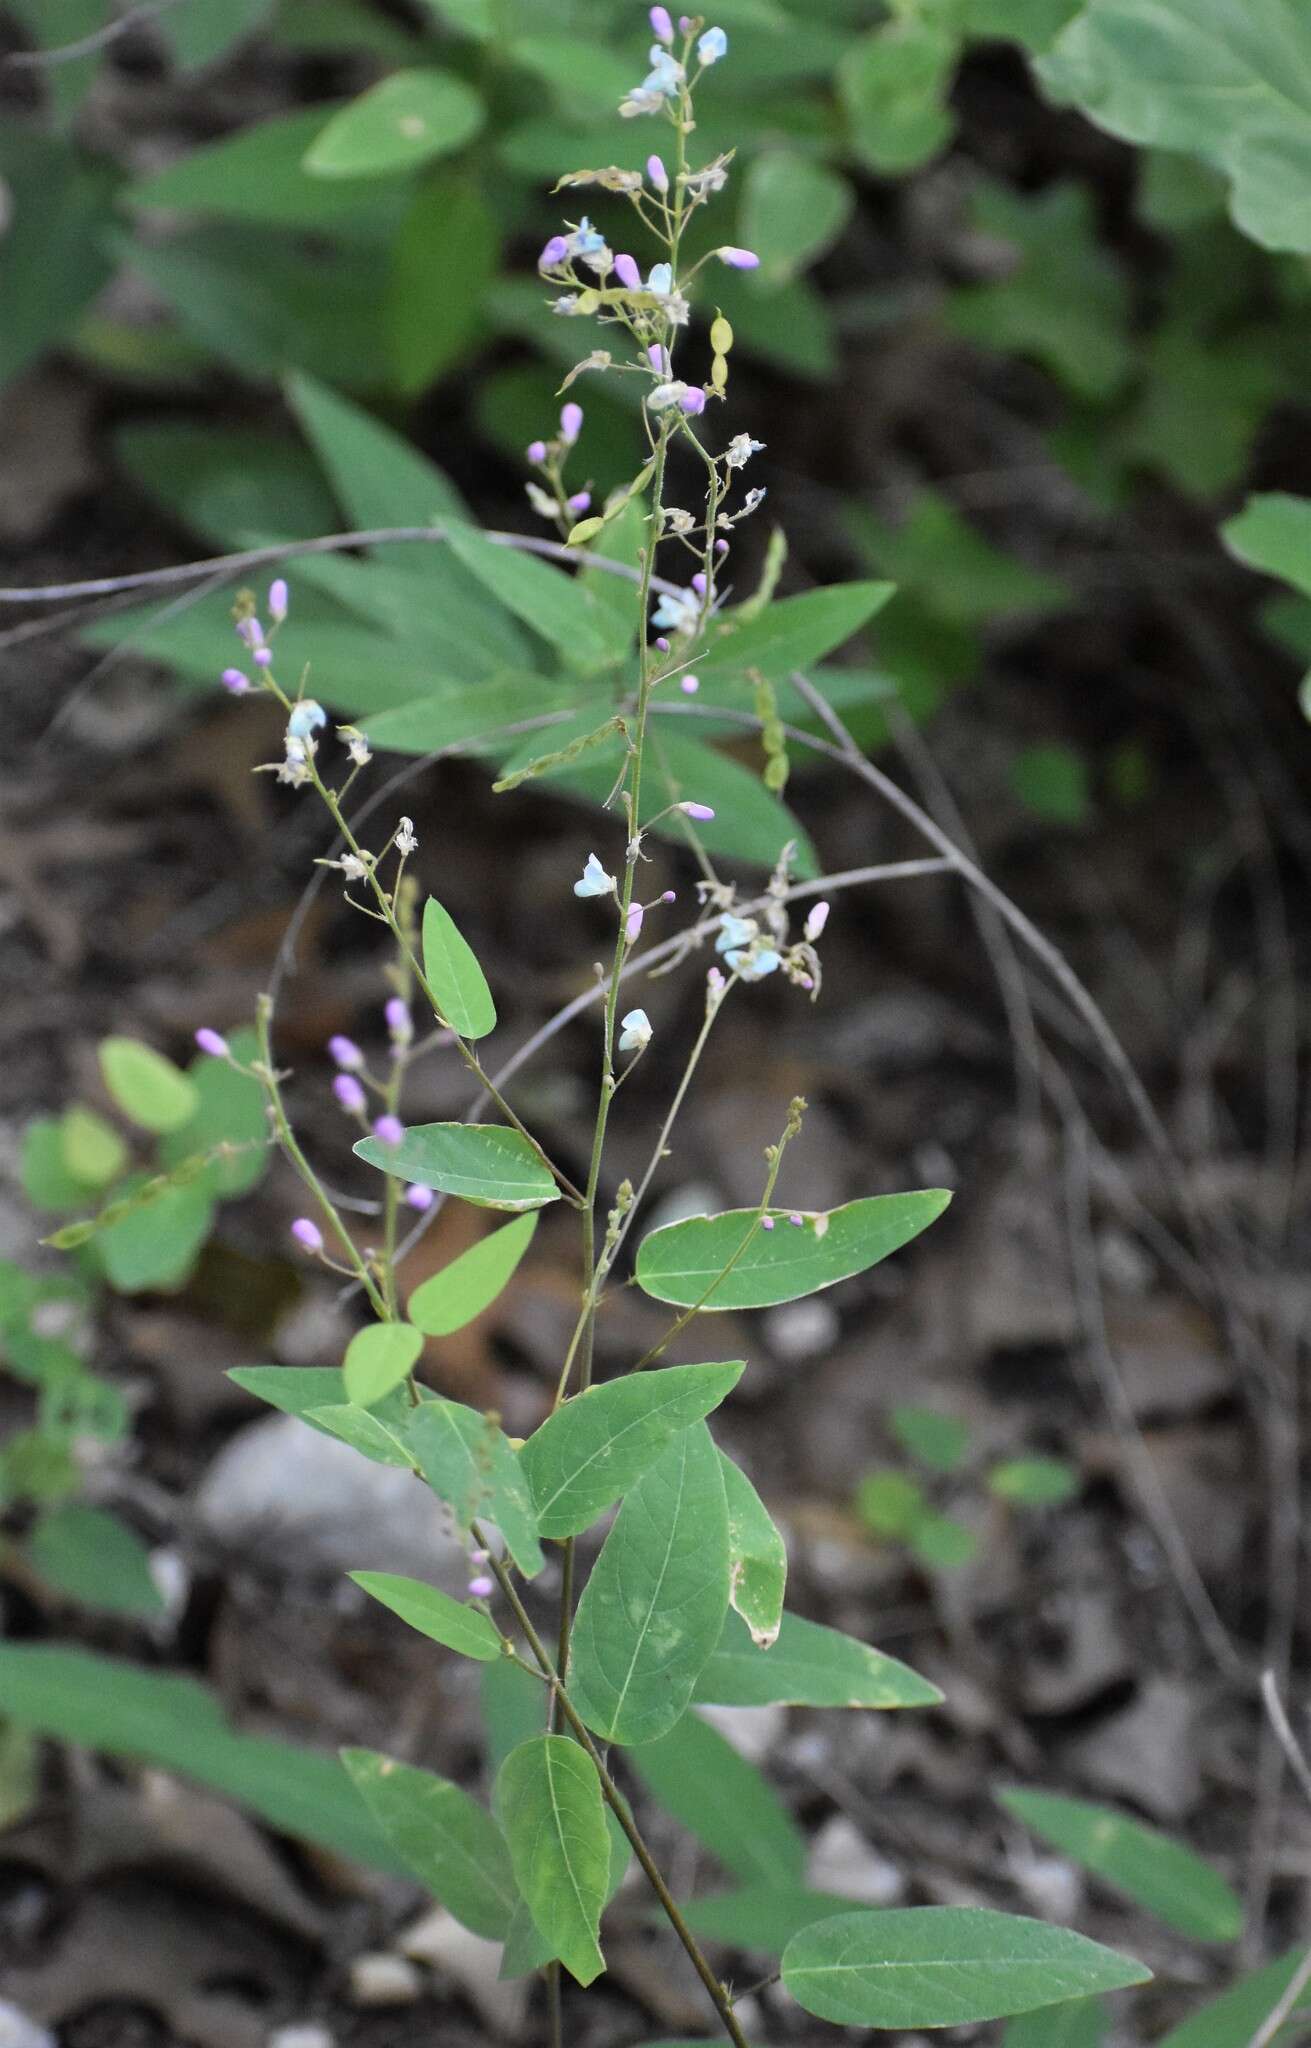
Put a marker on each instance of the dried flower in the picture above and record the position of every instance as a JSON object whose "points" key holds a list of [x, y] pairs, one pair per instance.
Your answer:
{"points": [[405, 841], [741, 449]]}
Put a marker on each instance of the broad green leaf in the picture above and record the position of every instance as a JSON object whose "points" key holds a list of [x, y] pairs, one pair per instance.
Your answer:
{"points": [[682, 1263], [554, 604], [792, 632], [587, 77], [52, 259], [1035, 23], [146, 1086], [157, 1718], [944, 1966], [201, 35], [653, 1608], [43, 1170], [809, 1666], [941, 1441], [1272, 533], [447, 1839], [472, 1282], [489, 1165], [1034, 1482], [365, 1432], [378, 1359], [448, 231], [95, 1559], [758, 1558], [935, 554], [316, 1394], [257, 175], [1155, 1872], [467, 1461], [430, 725], [942, 1542], [514, 1704], [92, 1150], [724, 1801], [453, 974], [1233, 2019], [548, 1797], [526, 1949], [155, 1245], [378, 477], [1051, 779], [894, 84], [1080, 2024], [231, 1113], [889, 1503], [405, 120], [793, 210], [595, 1447], [54, 25], [762, 1917], [434, 1613]]}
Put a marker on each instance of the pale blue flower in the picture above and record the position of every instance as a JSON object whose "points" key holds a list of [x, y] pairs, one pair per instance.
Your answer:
{"points": [[712, 46], [661, 280], [306, 718], [636, 1033], [756, 965], [595, 881], [665, 75], [678, 611], [585, 241], [735, 932]]}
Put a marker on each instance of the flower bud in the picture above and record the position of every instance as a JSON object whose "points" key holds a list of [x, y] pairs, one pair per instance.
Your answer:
{"points": [[553, 255], [693, 401], [482, 1587], [702, 811], [212, 1042], [579, 502], [689, 685], [536, 452], [657, 173], [627, 272], [349, 1094], [389, 1130], [345, 1053], [571, 424], [399, 1021], [278, 600], [233, 679], [662, 27], [699, 583], [816, 922], [307, 1235], [738, 259], [418, 1197], [633, 923]]}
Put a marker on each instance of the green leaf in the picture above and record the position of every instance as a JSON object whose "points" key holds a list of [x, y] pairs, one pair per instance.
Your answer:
{"points": [[937, 555], [257, 175], [471, 1283], [526, 1949], [434, 1614], [588, 79], [429, 725], [682, 1262], [793, 210], [941, 1441], [1272, 533], [1052, 780], [654, 1606], [43, 1170], [91, 1149], [447, 1839], [316, 1394], [792, 632], [230, 1113], [95, 1559], [943, 1966], [808, 1666], [554, 604], [489, 1165], [1035, 23], [724, 1801], [378, 1359], [405, 120], [1233, 2019], [513, 1703], [448, 231], [146, 1086], [221, 481], [942, 1542], [1080, 2024], [1034, 1482], [379, 479], [758, 1558], [105, 1704], [154, 1246], [762, 1917], [52, 260], [1139, 1861], [894, 86], [468, 1463], [549, 1800], [201, 35], [595, 1447], [365, 1432], [456, 979], [889, 1503]]}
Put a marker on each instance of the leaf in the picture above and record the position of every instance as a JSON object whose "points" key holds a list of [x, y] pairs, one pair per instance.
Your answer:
{"points": [[468, 1463], [452, 971], [698, 1776], [430, 725], [447, 1839], [1233, 2019], [471, 1283], [1155, 1872], [894, 84], [938, 1440], [762, 1917], [792, 632], [379, 479], [1052, 780], [448, 231], [554, 604], [154, 1246], [1272, 533], [681, 1263], [316, 1395], [889, 1503], [1035, 23], [257, 174], [513, 1702], [43, 1170], [95, 1559], [378, 1359], [653, 1608], [549, 1798], [526, 1949], [434, 1614], [405, 120], [808, 1666], [1034, 1482], [105, 1704], [364, 1432], [231, 1112], [52, 260], [201, 35], [91, 1149], [942, 1542], [793, 210], [1080, 2024], [943, 1966], [489, 1165], [937, 555], [596, 1446], [146, 1086], [758, 1558]]}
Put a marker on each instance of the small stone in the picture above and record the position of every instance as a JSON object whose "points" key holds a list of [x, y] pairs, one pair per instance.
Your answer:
{"points": [[842, 1861], [801, 1329], [18, 2031], [379, 1979], [302, 2034]]}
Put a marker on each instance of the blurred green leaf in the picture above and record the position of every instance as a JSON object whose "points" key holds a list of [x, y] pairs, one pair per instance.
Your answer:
{"points": [[889, 1503], [1147, 1866], [154, 1246], [93, 1152], [257, 174], [894, 84], [96, 1559], [938, 1440], [793, 211], [762, 1917], [1079, 2024], [230, 1111], [698, 1776], [448, 232], [146, 1086], [1052, 781], [1234, 2018], [404, 121], [201, 35], [52, 255], [1272, 533], [942, 1542], [447, 1839], [1034, 1482]]}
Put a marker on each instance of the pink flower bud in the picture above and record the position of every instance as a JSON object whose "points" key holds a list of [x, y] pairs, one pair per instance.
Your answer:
{"points": [[662, 643], [633, 922], [399, 1021], [738, 259], [349, 1094], [699, 583], [669, 896], [482, 1587], [816, 921], [767, 1223], [278, 600], [251, 631], [689, 685], [702, 811], [579, 503], [662, 28], [693, 400], [233, 679], [685, 23], [658, 357], [721, 546], [419, 1198], [263, 657], [657, 173], [212, 1043], [796, 1220], [346, 1053], [536, 452], [628, 273], [307, 1235], [571, 424], [553, 254], [389, 1130]]}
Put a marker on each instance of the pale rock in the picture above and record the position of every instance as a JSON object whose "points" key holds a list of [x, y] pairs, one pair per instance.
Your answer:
{"points": [[379, 1979], [18, 2031], [302, 2034], [753, 1731], [801, 1329], [472, 1963], [842, 1861]]}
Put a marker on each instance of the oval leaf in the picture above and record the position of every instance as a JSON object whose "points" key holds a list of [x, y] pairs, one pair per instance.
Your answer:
{"points": [[471, 1283], [726, 1803], [365, 1432], [469, 1464], [378, 1359], [452, 1844], [596, 1446], [809, 1666], [408, 119], [454, 976], [146, 1086], [549, 1799], [685, 1262], [944, 1966], [95, 1559], [489, 1165], [653, 1609], [434, 1614], [758, 1558]]}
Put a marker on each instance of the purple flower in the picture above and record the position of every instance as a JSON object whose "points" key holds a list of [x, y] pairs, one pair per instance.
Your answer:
{"points": [[579, 502], [263, 657], [702, 811], [553, 255], [233, 679], [536, 452], [389, 1130], [796, 1220], [307, 1235], [251, 631], [627, 272], [662, 28], [721, 546], [571, 424], [399, 1021], [418, 1197], [482, 1587], [212, 1042], [693, 400], [349, 1094], [633, 922], [657, 173], [662, 643], [767, 1223], [346, 1053], [669, 896], [699, 583], [738, 259], [689, 685], [278, 600]]}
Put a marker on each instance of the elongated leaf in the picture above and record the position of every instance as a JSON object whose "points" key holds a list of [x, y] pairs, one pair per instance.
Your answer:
{"points": [[447, 1839], [434, 1613], [549, 1799], [378, 1359], [1231, 2020], [257, 175], [146, 1086], [449, 230], [809, 1666], [1146, 1865], [1273, 533], [596, 1446], [96, 1559], [548, 600], [453, 973], [793, 632], [469, 1464], [489, 1165], [514, 1705], [365, 1432], [758, 1558], [472, 1282], [406, 120], [1080, 2024], [653, 1608], [379, 478], [683, 1262], [762, 1917], [427, 725], [317, 1395], [52, 257], [526, 1948], [724, 1801], [793, 209], [944, 1966]]}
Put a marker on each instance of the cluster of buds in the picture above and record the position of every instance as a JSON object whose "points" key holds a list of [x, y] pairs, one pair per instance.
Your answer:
{"points": [[556, 501]]}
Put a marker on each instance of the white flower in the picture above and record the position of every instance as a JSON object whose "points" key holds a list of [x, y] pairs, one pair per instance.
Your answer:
{"points": [[741, 449], [677, 521], [541, 501], [406, 843], [666, 395], [636, 1033], [595, 881], [357, 745], [306, 719], [816, 922]]}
